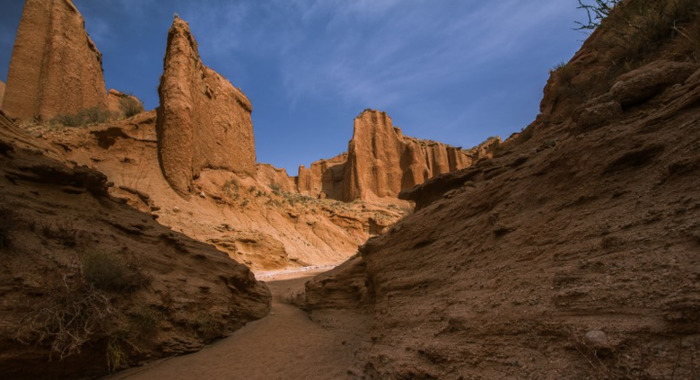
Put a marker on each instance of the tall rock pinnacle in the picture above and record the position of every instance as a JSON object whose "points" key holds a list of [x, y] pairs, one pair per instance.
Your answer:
{"points": [[55, 68], [203, 120]]}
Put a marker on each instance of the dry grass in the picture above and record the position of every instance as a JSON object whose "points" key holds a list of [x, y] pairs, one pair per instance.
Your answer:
{"points": [[71, 317], [92, 115], [109, 272], [130, 105]]}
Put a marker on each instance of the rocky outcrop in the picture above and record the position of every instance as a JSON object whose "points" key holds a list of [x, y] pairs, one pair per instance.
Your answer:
{"points": [[382, 161], [55, 68], [275, 178], [203, 120], [90, 285], [572, 251], [122, 105], [324, 178], [2, 92]]}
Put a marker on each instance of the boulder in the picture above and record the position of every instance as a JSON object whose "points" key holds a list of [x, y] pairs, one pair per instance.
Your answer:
{"points": [[55, 67], [203, 120], [641, 84]]}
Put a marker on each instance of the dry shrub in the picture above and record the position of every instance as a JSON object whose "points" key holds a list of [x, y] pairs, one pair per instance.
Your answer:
{"points": [[639, 28], [70, 317], [109, 272], [130, 105], [92, 115]]}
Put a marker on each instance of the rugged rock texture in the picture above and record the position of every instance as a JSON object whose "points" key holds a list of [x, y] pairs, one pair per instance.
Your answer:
{"points": [[275, 178], [122, 105], [573, 253], [2, 92], [260, 221], [382, 162], [55, 68], [324, 178], [203, 120], [93, 284]]}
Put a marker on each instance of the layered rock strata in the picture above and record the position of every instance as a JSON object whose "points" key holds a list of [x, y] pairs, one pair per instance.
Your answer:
{"points": [[203, 121], [2, 92], [122, 105], [55, 68], [381, 162]]}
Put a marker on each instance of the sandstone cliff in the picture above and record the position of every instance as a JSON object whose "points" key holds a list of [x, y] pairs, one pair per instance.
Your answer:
{"points": [[572, 253], [381, 162], [2, 92], [275, 178], [55, 68], [203, 120], [89, 284], [121, 105], [324, 178]]}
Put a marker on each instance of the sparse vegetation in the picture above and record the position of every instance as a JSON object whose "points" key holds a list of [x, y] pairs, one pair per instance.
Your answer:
{"points": [[595, 12], [144, 320], [207, 327], [92, 115], [130, 105], [116, 356], [72, 315], [109, 272]]}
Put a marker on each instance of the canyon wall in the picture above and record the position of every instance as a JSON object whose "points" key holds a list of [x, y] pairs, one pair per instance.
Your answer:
{"points": [[203, 121], [2, 92], [55, 68], [381, 162], [324, 178]]}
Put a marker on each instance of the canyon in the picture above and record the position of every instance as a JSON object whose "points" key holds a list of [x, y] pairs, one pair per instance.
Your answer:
{"points": [[568, 250]]}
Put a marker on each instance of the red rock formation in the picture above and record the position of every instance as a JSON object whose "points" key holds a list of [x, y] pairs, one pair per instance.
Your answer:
{"points": [[80, 267], [382, 162], [55, 69], [324, 178], [275, 177], [2, 92], [123, 105], [203, 120]]}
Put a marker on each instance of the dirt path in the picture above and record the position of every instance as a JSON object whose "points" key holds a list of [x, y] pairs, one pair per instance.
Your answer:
{"points": [[286, 344]]}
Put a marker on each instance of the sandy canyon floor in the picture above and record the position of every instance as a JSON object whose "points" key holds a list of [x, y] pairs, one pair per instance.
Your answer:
{"points": [[287, 344]]}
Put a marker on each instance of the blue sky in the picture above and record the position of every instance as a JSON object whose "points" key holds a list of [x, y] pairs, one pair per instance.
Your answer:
{"points": [[455, 71]]}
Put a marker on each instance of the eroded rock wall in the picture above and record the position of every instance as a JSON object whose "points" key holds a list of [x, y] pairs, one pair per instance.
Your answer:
{"points": [[203, 120], [2, 92], [122, 105], [382, 161], [55, 68], [275, 178], [324, 178]]}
